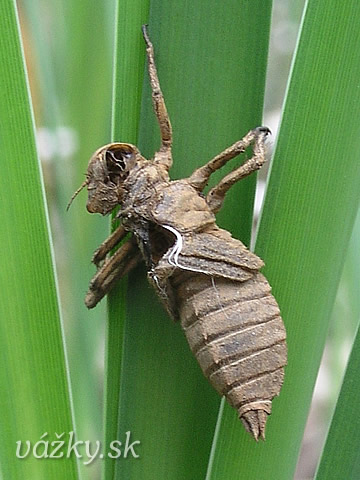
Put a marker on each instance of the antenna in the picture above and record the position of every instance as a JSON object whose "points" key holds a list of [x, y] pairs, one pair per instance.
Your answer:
{"points": [[76, 193]]}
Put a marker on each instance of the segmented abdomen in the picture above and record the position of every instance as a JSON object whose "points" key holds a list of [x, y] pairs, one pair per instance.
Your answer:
{"points": [[237, 335]]}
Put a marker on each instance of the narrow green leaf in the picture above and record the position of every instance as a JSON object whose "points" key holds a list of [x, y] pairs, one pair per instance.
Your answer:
{"points": [[129, 59], [344, 320], [311, 202], [351, 280], [344, 430], [211, 62], [35, 398], [344, 462], [71, 75]]}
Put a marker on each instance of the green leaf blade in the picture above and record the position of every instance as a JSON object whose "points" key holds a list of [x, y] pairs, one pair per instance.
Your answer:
{"points": [[212, 82], [344, 428], [344, 462], [129, 61], [34, 378]]}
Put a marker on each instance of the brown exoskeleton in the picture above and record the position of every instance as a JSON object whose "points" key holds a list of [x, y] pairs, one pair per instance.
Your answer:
{"points": [[205, 278]]}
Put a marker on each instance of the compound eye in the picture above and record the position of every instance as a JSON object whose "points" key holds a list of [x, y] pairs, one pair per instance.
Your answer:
{"points": [[116, 158]]}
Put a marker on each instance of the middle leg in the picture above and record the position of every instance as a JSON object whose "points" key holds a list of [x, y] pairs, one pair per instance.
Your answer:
{"points": [[164, 155]]}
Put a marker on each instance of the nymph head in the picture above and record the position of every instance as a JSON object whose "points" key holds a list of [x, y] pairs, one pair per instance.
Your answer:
{"points": [[106, 172]]}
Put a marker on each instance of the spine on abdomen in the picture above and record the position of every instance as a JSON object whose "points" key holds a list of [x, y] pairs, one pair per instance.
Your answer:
{"points": [[237, 335]]}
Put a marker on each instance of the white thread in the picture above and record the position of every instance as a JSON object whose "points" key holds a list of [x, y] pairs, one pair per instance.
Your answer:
{"points": [[173, 257], [177, 247], [154, 277]]}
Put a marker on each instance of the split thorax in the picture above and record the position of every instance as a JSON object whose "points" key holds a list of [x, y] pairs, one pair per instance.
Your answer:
{"points": [[150, 196]]}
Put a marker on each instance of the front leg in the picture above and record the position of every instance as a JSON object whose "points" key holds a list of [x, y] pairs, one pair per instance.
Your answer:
{"points": [[111, 242], [123, 260]]}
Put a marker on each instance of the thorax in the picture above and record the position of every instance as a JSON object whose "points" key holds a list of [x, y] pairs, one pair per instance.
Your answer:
{"points": [[151, 196]]}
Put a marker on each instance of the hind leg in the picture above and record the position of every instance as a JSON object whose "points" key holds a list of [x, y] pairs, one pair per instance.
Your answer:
{"points": [[216, 195], [200, 176]]}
